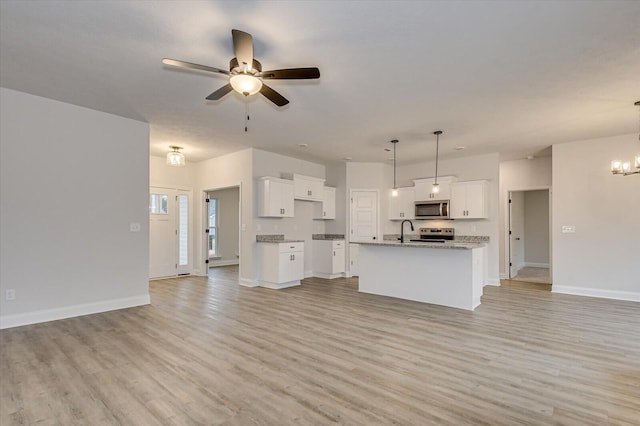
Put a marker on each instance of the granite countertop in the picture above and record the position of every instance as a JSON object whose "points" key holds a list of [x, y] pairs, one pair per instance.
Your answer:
{"points": [[328, 236], [447, 245], [275, 238]]}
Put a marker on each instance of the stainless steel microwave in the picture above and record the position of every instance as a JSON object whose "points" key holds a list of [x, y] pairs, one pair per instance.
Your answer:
{"points": [[432, 209]]}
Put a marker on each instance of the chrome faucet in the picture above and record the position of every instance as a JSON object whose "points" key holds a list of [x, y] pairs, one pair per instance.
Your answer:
{"points": [[402, 229]]}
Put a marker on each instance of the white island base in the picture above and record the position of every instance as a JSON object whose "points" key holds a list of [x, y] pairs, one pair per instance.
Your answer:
{"points": [[450, 276]]}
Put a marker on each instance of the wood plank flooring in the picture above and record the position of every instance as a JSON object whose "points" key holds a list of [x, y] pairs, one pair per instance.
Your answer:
{"points": [[207, 351]]}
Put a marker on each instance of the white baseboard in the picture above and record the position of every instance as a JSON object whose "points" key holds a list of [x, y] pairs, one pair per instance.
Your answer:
{"points": [[223, 263], [493, 281], [504, 276], [35, 317], [278, 286], [596, 292], [536, 265], [328, 276], [308, 274], [246, 282]]}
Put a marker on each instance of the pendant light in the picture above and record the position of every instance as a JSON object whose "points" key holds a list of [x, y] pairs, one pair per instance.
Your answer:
{"points": [[623, 168], [435, 188], [394, 191], [175, 158]]}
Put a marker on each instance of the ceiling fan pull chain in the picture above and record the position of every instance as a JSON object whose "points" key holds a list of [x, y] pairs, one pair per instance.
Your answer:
{"points": [[246, 116]]}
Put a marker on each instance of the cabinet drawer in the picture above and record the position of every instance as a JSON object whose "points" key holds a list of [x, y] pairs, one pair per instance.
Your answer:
{"points": [[291, 247], [338, 244]]}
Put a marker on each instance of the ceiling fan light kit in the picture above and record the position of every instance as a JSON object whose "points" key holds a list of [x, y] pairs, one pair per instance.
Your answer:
{"points": [[619, 167], [245, 72]]}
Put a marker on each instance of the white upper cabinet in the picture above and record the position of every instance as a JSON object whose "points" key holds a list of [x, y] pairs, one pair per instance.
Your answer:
{"points": [[469, 200], [327, 208], [275, 197], [402, 206], [307, 188], [423, 188]]}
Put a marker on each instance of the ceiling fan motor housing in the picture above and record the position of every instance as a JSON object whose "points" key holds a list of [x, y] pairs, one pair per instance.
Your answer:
{"points": [[235, 68]]}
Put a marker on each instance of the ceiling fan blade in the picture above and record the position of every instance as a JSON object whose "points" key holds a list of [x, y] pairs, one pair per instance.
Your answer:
{"points": [[273, 96], [291, 74], [243, 47], [183, 64], [218, 94]]}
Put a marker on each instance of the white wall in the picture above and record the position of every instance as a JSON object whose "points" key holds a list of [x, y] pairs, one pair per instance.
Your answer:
{"points": [[337, 178], [518, 175], [536, 228], [601, 257], [226, 171], [68, 196], [228, 246], [479, 167], [165, 176]]}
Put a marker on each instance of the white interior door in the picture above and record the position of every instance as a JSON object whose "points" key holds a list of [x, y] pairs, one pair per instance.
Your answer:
{"points": [[516, 232], [364, 216], [162, 232]]}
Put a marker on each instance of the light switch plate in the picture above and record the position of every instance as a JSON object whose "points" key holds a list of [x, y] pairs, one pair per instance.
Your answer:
{"points": [[568, 229]]}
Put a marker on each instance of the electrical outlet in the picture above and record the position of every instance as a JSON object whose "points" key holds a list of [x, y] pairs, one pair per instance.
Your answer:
{"points": [[10, 294], [568, 229], [134, 227]]}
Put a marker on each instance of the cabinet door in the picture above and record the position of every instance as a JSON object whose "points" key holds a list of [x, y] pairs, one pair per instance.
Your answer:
{"points": [[290, 267], [329, 203], [476, 200], [338, 261], [402, 206], [308, 188], [458, 204], [286, 200]]}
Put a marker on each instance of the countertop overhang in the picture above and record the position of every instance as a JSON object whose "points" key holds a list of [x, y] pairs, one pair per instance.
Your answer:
{"points": [[420, 244]]}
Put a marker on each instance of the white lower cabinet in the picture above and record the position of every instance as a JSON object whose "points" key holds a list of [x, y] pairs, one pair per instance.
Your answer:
{"points": [[328, 258], [281, 264]]}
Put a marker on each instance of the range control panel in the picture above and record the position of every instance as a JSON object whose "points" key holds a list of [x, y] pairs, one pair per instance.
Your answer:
{"points": [[436, 233]]}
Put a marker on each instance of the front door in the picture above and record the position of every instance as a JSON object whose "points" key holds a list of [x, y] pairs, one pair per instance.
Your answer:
{"points": [[169, 242], [364, 216]]}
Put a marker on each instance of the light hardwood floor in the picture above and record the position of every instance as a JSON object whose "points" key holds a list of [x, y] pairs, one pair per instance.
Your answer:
{"points": [[207, 351]]}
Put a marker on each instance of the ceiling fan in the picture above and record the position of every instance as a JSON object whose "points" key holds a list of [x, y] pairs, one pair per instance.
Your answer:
{"points": [[245, 73]]}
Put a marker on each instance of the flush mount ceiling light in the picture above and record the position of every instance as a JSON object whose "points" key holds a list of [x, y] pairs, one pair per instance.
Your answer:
{"points": [[175, 158], [394, 191], [619, 167], [435, 188]]}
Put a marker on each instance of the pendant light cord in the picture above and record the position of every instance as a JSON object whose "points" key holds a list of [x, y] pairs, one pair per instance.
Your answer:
{"points": [[394, 164], [437, 149]]}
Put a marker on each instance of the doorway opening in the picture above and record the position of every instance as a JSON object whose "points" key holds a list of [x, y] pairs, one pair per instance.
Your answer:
{"points": [[529, 237], [222, 230]]}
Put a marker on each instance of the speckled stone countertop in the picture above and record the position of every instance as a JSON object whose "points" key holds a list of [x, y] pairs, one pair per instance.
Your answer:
{"points": [[419, 244], [327, 237], [275, 238], [458, 238]]}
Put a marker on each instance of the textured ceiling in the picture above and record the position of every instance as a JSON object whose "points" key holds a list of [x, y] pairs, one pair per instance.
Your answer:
{"points": [[508, 77]]}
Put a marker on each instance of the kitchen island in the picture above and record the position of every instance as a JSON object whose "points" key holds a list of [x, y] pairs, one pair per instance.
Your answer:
{"points": [[449, 274]]}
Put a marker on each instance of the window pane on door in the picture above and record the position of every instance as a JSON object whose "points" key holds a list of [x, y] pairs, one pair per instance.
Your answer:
{"points": [[183, 230], [158, 204], [213, 227]]}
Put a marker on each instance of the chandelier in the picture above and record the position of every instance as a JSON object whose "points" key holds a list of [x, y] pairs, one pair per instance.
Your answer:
{"points": [[619, 167]]}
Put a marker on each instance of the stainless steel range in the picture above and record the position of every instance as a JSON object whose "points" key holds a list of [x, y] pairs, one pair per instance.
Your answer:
{"points": [[435, 235]]}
